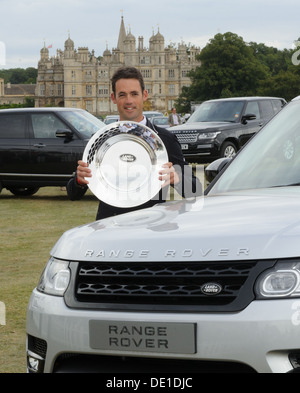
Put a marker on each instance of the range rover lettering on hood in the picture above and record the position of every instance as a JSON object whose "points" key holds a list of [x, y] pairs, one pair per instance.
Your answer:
{"points": [[186, 253]]}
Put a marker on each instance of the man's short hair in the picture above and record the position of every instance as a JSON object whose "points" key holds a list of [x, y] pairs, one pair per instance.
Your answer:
{"points": [[127, 73]]}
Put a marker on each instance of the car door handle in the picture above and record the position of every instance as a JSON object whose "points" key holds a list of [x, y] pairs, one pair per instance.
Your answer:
{"points": [[39, 145]]}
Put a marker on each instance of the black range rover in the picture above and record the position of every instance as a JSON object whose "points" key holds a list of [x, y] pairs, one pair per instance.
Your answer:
{"points": [[41, 146], [219, 128]]}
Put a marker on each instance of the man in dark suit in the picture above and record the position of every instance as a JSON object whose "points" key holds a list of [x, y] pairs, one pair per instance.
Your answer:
{"points": [[129, 95]]}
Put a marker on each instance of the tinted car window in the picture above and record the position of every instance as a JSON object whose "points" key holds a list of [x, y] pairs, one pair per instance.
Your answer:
{"points": [[83, 122], [267, 109], [228, 111], [12, 126], [277, 105], [253, 108], [161, 121], [45, 125]]}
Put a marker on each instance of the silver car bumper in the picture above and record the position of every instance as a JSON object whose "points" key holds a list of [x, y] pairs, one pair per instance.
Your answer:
{"points": [[262, 336]]}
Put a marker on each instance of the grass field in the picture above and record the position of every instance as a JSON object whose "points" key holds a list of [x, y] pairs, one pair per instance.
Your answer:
{"points": [[29, 228]]}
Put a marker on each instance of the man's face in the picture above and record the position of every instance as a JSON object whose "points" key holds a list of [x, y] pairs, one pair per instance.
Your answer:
{"points": [[129, 99]]}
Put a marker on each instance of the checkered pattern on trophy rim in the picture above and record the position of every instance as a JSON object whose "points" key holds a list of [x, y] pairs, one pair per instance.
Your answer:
{"points": [[99, 141]]}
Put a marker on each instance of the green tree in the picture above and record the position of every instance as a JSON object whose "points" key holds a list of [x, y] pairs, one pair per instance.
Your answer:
{"points": [[284, 80], [285, 84], [275, 59], [19, 75], [229, 68]]}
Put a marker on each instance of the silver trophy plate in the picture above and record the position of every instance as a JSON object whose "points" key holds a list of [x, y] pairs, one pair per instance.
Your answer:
{"points": [[125, 159]]}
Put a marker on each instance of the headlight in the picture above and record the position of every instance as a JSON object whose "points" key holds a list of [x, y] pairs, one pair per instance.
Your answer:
{"points": [[55, 278], [208, 135], [281, 281]]}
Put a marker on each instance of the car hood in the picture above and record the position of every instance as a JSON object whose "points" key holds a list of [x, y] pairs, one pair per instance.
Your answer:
{"points": [[242, 226], [202, 126]]}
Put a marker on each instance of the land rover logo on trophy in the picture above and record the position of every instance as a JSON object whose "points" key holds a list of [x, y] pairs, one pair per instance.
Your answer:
{"points": [[127, 158], [211, 289]]}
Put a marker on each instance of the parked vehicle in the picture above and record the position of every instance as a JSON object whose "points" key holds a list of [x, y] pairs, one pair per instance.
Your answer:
{"points": [[160, 121], [40, 147], [212, 283], [150, 114], [219, 128], [111, 119]]}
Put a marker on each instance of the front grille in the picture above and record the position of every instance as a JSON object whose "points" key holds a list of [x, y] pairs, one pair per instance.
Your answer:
{"points": [[187, 138], [164, 286]]}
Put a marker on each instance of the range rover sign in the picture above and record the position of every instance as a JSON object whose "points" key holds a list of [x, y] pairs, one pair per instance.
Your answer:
{"points": [[160, 337]]}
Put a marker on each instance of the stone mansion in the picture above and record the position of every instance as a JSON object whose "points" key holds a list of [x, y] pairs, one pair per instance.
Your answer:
{"points": [[76, 78]]}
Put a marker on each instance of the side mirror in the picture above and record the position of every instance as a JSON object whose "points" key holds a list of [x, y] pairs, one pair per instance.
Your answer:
{"points": [[213, 169], [64, 133], [247, 117]]}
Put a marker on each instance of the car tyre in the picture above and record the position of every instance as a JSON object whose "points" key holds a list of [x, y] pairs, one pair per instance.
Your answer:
{"points": [[24, 191], [228, 150]]}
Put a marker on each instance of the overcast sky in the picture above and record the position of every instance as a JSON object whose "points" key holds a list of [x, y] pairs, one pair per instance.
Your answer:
{"points": [[25, 24]]}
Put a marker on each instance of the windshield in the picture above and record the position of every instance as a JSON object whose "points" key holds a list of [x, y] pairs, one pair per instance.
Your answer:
{"points": [[83, 122], [149, 115], [228, 111], [161, 121], [271, 159]]}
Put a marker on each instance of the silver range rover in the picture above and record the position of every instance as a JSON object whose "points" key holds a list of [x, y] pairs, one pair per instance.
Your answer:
{"points": [[210, 284]]}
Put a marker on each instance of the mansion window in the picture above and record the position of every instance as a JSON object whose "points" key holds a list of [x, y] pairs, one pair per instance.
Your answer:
{"points": [[73, 75], [146, 73], [73, 90], [184, 73], [89, 106], [171, 74], [89, 90], [103, 106], [59, 90], [103, 74], [171, 90], [88, 75], [103, 90], [149, 88], [145, 60], [42, 90]]}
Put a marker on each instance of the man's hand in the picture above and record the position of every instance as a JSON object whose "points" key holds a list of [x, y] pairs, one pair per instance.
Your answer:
{"points": [[82, 172], [168, 175]]}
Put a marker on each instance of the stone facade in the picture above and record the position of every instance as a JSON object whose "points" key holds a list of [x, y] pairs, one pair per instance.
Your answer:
{"points": [[15, 94], [76, 78]]}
